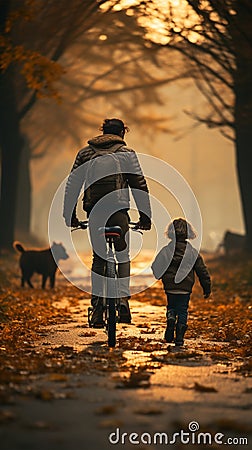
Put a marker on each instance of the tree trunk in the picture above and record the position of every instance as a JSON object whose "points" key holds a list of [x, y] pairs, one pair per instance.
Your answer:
{"points": [[243, 114], [23, 209], [244, 170], [10, 144]]}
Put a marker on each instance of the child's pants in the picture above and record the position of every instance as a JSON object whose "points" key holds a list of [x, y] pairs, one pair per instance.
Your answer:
{"points": [[178, 306]]}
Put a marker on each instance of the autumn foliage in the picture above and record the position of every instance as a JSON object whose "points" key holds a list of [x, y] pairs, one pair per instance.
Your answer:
{"points": [[39, 71], [219, 327]]}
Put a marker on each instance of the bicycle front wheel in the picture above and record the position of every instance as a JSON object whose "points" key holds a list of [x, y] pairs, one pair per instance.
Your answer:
{"points": [[111, 322]]}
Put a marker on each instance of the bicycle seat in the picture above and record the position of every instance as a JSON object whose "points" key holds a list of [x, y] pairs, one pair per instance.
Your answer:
{"points": [[114, 231]]}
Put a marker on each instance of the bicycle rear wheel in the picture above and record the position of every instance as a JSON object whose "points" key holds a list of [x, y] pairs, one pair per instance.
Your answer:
{"points": [[111, 305]]}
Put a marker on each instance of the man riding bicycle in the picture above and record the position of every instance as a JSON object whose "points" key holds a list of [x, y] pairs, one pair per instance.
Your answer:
{"points": [[107, 168]]}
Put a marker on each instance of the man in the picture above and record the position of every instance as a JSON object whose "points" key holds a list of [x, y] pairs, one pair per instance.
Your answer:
{"points": [[106, 201]]}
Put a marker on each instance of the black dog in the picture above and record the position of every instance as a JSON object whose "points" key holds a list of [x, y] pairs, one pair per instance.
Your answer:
{"points": [[43, 262]]}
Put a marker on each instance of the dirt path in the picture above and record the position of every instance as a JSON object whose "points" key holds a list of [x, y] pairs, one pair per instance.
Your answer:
{"points": [[85, 396]]}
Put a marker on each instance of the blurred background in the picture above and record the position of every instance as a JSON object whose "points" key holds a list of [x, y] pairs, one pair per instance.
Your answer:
{"points": [[170, 69], [203, 157]]}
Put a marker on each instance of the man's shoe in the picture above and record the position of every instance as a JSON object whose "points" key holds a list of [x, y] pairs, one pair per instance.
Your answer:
{"points": [[95, 313], [124, 314], [96, 319]]}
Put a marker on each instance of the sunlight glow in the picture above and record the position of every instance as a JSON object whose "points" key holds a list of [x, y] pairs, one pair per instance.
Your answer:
{"points": [[162, 19], [103, 37], [125, 4], [130, 12]]}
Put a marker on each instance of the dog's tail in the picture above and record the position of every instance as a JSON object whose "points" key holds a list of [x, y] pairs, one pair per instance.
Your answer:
{"points": [[18, 247]]}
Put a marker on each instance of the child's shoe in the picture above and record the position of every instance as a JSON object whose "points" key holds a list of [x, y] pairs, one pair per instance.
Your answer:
{"points": [[180, 332], [169, 332]]}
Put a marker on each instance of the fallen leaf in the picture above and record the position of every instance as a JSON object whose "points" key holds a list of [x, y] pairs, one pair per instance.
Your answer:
{"points": [[41, 425], [45, 395], [202, 388], [136, 379], [6, 416], [111, 424], [57, 377], [106, 410], [148, 411]]}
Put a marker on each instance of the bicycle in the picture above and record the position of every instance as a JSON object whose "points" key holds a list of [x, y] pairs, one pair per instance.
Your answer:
{"points": [[111, 297]]}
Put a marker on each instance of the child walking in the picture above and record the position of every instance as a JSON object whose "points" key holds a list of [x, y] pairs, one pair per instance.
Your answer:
{"points": [[166, 267]]}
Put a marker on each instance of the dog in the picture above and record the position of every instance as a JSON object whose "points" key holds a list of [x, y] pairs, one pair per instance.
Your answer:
{"points": [[43, 262]]}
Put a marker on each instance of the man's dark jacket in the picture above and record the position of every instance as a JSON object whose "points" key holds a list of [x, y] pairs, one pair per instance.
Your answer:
{"points": [[131, 170]]}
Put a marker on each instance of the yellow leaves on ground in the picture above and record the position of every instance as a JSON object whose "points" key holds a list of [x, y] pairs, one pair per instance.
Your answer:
{"points": [[226, 315], [219, 331], [154, 296], [22, 313]]}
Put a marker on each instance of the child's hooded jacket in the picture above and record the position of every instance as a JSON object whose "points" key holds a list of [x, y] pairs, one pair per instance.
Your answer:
{"points": [[168, 260]]}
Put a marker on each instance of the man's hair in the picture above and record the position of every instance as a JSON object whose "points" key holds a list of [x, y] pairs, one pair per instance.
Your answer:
{"points": [[114, 126], [181, 229]]}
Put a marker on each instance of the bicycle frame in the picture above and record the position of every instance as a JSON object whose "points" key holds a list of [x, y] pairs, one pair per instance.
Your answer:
{"points": [[111, 294]]}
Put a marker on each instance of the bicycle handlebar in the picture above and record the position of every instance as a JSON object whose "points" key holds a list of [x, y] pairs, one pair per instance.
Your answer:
{"points": [[135, 227], [83, 225]]}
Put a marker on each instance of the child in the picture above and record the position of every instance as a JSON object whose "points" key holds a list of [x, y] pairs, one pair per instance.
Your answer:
{"points": [[165, 267]]}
